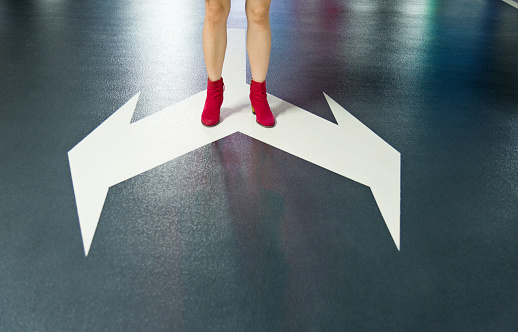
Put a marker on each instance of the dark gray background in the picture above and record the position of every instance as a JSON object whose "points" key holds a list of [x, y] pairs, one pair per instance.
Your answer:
{"points": [[238, 235]]}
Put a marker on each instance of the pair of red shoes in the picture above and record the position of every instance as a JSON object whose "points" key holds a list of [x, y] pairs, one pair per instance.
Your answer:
{"points": [[260, 107]]}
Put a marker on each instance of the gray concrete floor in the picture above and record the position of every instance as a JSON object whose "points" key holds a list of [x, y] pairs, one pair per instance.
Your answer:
{"points": [[239, 235]]}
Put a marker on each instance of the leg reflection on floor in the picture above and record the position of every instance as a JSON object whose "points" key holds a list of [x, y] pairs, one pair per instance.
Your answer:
{"points": [[240, 233]]}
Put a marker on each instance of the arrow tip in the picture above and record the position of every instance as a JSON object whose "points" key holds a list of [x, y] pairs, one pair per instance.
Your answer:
{"points": [[387, 194], [90, 188], [90, 194]]}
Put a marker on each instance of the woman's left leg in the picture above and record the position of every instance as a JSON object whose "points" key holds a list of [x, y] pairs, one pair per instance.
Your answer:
{"points": [[259, 45], [259, 37]]}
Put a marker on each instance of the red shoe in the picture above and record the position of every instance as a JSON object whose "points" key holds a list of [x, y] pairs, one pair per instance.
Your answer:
{"points": [[211, 110], [260, 106]]}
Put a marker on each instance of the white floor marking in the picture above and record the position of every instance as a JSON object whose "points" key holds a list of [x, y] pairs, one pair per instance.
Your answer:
{"points": [[117, 150], [512, 3]]}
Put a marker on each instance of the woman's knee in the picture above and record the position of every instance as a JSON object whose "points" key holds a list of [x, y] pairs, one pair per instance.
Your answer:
{"points": [[216, 11], [258, 11]]}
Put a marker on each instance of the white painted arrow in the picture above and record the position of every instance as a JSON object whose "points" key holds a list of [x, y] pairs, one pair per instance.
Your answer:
{"points": [[117, 150]]}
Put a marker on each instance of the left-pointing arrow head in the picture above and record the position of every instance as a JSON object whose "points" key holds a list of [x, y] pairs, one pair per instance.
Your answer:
{"points": [[90, 168]]}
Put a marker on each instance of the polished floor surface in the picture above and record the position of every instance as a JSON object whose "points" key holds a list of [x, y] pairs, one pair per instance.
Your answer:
{"points": [[243, 232]]}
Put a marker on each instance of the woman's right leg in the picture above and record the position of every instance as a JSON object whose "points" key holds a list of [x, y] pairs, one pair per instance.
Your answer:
{"points": [[215, 36], [214, 46]]}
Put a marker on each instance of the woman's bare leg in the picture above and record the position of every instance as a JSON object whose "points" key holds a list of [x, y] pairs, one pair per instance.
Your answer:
{"points": [[215, 36], [259, 37]]}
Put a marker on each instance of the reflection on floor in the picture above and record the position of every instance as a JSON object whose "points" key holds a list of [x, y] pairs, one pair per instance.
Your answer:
{"points": [[242, 233]]}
